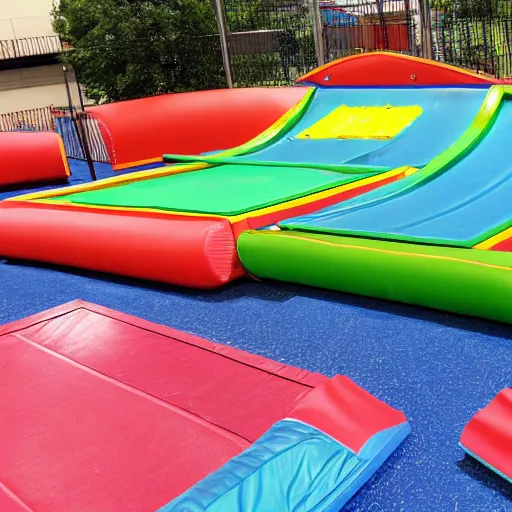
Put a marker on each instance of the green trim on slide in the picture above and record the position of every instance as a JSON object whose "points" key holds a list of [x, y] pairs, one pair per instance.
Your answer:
{"points": [[342, 169], [466, 244], [274, 132], [465, 281]]}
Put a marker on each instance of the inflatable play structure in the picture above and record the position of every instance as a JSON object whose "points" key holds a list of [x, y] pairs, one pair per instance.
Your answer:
{"points": [[31, 157], [109, 412], [139, 132], [488, 435], [387, 176]]}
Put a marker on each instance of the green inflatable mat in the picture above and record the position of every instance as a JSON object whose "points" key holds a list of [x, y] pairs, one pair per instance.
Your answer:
{"points": [[466, 281], [223, 189]]}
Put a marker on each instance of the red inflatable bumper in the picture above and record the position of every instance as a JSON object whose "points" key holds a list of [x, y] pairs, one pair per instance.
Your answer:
{"points": [[139, 132], [384, 69], [31, 157], [197, 252]]}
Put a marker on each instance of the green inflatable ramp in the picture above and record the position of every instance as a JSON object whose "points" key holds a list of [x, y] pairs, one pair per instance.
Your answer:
{"points": [[466, 281]]}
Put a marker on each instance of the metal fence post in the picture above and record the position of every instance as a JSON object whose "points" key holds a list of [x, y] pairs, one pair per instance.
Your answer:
{"points": [[82, 138], [314, 6], [221, 24], [426, 29]]}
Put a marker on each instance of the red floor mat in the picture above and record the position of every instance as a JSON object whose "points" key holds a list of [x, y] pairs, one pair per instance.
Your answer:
{"points": [[108, 412]]}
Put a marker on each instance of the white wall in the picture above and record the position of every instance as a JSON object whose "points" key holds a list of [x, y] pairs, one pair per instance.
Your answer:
{"points": [[25, 18], [23, 89]]}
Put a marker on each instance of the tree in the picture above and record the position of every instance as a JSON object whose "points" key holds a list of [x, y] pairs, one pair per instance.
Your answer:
{"points": [[124, 49]]}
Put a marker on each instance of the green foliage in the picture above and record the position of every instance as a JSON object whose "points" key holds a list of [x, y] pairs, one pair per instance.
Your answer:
{"points": [[123, 49], [469, 8]]}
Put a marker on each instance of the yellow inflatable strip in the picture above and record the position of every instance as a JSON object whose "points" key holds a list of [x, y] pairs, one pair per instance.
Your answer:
{"points": [[108, 182], [381, 122], [494, 240], [64, 157], [137, 163], [256, 213]]}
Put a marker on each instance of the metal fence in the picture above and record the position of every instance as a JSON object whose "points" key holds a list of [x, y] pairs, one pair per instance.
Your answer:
{"points": [[61, 121], [38, 119], [357, 26], [478, 38], [270, 42], [66, 127]]}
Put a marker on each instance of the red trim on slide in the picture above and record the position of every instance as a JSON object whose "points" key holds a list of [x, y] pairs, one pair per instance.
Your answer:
{"points": [[189, 123], [313, 206], [31, 157], [197, 252], [346, 412], [390, 70], [505, 246], [488, 434]]}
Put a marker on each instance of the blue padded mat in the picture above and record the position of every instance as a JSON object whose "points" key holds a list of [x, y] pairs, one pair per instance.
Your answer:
{"points": [[79, 175], [446, 114], [438, 368], [456, 208]]}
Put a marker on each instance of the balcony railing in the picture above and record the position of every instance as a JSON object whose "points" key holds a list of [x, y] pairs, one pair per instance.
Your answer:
{"points": [[30, 46]]}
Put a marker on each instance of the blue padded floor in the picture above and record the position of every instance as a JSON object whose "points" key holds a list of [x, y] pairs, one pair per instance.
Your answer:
{"points": [[438, 368]]}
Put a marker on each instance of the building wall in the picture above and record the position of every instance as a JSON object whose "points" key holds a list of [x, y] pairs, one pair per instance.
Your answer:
{"points": [[27, 88], [25, 18], [30, 87]]}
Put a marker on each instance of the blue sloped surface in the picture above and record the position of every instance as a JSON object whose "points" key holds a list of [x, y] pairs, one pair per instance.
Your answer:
{"points": [[446, 114], [457, 208], [292, 467]]}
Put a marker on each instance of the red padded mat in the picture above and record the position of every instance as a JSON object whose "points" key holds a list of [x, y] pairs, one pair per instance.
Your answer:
{"points": [[105, 412], [488, 434]]}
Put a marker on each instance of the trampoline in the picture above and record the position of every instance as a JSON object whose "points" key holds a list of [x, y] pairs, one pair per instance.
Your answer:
{"points": [[109, 412]]}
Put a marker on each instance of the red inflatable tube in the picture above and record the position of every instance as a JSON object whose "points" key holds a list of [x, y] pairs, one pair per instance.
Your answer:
{"points": [[139, 132], [31, 157], [380, 69], [188, 251], [488, 435]]}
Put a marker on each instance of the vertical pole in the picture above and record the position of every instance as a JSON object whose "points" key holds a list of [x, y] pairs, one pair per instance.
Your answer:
{"points": [[79, 90], [426, 29], [79, 128], [83, 127], [221, 24], [314, 7]]}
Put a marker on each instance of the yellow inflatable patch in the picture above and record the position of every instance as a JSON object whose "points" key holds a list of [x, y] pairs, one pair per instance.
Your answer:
{"points": [[362, 123]]}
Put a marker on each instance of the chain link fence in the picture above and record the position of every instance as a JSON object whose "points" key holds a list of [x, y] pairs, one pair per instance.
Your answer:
{"points": [[60, 120], [358, 26], [270, 41], [478, 37]]}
